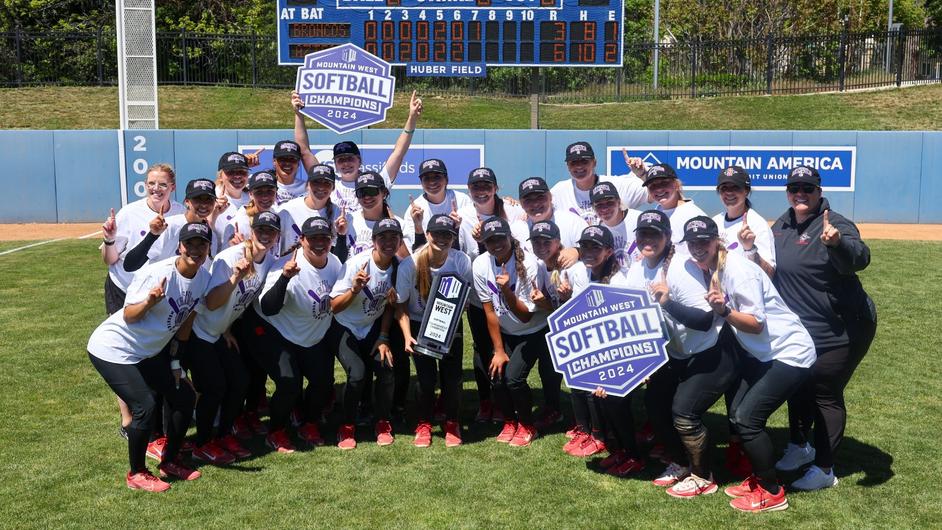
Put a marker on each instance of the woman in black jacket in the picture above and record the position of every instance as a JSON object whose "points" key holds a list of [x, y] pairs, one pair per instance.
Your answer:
{"points": [[818, 254]]}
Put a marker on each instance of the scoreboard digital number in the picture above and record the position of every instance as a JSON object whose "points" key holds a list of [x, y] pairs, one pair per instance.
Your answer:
{"points": [[454, 32]]}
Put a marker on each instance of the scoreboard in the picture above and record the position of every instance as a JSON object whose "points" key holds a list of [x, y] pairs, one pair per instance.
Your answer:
{"points": [[456, 32]]}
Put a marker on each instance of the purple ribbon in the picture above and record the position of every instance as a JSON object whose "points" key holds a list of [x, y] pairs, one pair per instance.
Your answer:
{"points": [[314, 295], [575, 211], [493, 287], [634, 245]]}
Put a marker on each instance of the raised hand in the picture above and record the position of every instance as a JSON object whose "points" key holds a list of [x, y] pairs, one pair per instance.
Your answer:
{"points": [[417, 214], [660, 292], [340, 223], [237, 237], [634, 163], [565, 288], [361, 278], [503, 279], [715, 297], [252, 158], [415, 105], [454, 212], [296, 102], [159, 224], [830, 235], [241, 268], [291, 268], [536, 295], [109, 228], [746, 236], [157, 293]]}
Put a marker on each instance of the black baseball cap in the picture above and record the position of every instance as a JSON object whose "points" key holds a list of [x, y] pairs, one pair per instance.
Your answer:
{"points": [[192, 230], [734, 175], [199, 187], [659, 171], [260, 179], [532, 185], [482, 174], [370, 179], [386, 225], [346, 149], [233, 160], [579, 151], [316, 226], [804, 175], [432, 165], [700, 228], [602, 191], [321, 172], [442, 223], [655, 220], [495, 226], [287, 149], [544, 230], [267, 219], [598, 234]]}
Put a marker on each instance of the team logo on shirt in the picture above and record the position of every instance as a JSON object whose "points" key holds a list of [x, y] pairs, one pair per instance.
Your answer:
{"points": [[803, 239], [320, 306], [247, 288], [180, 309], [375, 299]]}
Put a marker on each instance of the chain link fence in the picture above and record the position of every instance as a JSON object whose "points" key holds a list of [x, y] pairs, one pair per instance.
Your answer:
{"points": [[770, 65]]}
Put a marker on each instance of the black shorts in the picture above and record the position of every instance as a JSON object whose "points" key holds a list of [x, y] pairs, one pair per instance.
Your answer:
{"points": [[114, 296]]}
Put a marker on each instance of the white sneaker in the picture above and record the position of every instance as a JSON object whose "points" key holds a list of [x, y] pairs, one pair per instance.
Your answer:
{"points": [[693, 486], [671, 475], [795, 456], [815, 479]]}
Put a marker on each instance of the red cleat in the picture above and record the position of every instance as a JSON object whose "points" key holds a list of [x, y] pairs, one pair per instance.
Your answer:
{"points": [[508, 432], [346, 437], [213, 453], [761, 501], [524, 435], [575, 431], [452, 434], [590, 446], [626, 467], [423, 435], [156, 448], [176, 469], [384, 433], [145, 481], [231, 444], [574, 443], [742, 489], [310, 434], [241, 428], [613, 459], [279, 441]]}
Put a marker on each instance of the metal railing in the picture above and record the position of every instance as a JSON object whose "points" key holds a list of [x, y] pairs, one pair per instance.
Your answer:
{"points": [[769, 65]]}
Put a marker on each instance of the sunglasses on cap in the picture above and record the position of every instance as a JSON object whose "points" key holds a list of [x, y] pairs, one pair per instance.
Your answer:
{"points": [[367, 192], [804, 188]]}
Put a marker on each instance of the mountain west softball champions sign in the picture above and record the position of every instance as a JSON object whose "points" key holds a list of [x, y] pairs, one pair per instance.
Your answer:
{"points": [[698, 166], [607, 337], [345, 88]]}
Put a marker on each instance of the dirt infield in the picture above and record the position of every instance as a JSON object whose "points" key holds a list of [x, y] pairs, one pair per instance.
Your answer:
{"points": [[40, 232]]}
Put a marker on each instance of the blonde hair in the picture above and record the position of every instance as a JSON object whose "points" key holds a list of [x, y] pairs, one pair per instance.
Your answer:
{"points": [[162, 167], [720, 265], [423, 273]]}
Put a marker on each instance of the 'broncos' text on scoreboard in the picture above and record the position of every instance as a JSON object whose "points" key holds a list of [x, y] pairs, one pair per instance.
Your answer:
{"points": [[455, 32]]}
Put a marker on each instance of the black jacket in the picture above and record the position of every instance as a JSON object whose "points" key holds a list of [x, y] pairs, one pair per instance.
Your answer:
{"points": [[819, 283]]}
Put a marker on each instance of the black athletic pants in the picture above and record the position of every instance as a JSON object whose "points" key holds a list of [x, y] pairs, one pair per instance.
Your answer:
{"points": [[137, 385], [430, 371], [620, 420], [587, 413], [248, 331], [524, 352], [659, 402], [222, 380], [356, 355], [483, 348], [763, 388]]}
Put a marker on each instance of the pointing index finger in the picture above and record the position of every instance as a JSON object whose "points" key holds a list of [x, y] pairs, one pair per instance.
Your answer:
{"points": [[826, 220], [260, 149]]}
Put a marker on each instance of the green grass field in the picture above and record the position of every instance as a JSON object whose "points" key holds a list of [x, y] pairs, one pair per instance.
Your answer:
{"points": [[914, 108], [62, 462]]}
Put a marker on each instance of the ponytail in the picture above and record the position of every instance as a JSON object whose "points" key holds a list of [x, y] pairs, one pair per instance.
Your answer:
{"points": [[423, 273], [499, 208], [666, 258], [251, 210], [330, 208], [720, 264], [609, 268], [518, 256]]}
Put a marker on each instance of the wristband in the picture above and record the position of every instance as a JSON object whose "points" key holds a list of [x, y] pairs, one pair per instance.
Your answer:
{"points": [[751, 253], [175, 365], [407, 131], [384, 337], [726, 311], [107, 243]]}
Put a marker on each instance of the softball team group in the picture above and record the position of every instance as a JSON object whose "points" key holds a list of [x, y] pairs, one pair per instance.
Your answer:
{"points": [[277, 273]]}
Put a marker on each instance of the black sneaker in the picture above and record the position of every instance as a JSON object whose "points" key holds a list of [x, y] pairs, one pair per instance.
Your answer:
{"points": [[122, 432]]}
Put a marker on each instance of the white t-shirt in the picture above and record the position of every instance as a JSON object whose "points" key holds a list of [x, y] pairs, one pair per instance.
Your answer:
{"points": [[345, 193], [626, 247], [567, 197], [688, 287], [235, 202], [429, 209], [485, 271], [570, 227], [783, 337], [168, 243], [729, 234], [211, 324], [287, 192], [305, 316], [245, 228], [685, 211], [640, 277], [577, 275], [133, 223], [406, 290], [293, 214], [368, 305], [117, 341]]}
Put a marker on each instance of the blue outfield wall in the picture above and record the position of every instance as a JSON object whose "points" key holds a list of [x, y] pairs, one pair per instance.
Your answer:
{"points": [[73, 176]]}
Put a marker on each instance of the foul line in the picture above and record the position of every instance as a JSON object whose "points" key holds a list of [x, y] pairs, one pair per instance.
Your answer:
{"points": [[86, 236], [24, 247]]}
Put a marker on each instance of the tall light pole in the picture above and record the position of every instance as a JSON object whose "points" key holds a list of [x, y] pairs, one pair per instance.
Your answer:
{"points": [[657, 24]]}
